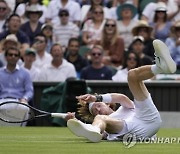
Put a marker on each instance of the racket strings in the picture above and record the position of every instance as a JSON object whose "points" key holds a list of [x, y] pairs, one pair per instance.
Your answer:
{"points": [[13, 112]]}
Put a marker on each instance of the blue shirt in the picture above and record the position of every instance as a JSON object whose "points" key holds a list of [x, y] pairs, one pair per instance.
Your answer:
{"points": [[90, 73], [21, 36], [16, 84]]}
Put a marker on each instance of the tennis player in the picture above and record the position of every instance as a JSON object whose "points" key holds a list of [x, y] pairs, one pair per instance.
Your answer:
{"points": [[139, 117]]}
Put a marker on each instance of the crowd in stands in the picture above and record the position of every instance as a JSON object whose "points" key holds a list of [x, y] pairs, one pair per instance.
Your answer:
{"points": [[87, 39]]}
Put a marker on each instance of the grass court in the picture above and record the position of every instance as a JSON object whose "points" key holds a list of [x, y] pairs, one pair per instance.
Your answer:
{"points": [[59, 140]]}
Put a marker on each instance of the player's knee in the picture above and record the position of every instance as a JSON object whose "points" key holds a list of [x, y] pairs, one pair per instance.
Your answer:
{"points": [[132, 75]]}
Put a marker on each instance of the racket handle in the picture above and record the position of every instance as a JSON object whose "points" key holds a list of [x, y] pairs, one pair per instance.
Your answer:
{"points": [[59, 115]]}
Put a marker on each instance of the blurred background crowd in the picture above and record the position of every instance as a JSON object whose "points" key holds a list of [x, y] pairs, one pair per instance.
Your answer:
{"points": [[87, 39]]}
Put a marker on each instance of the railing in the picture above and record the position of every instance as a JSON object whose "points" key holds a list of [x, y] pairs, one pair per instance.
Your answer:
{"points": [[166, 94]]}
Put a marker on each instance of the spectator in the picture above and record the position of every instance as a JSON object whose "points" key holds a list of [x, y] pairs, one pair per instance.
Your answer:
{"points": [[137, 46], [15, 81], [14, 23], [18, 85], [59, 69], [8, 42], [64, 29], [97, 70], [149, 10], [33, 26], [21, 9], [72, 7], [143, 29], [112, 44], [47, 31], [4, 13], [161, 25], [173, 43], [87, 10], [126, 22], [117, 3], [74, 57], [131, 61], [29, 58], [92, 29], [42, 56]]}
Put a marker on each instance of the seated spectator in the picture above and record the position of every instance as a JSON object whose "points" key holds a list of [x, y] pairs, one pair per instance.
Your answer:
{"points": [[131, 61], [117, 3], [14, 23], [72, 7], [21, 9], [143, 29], [112, 44], [73, 56], [92, 29], [29, 58], [47, 31], [4, 13], [137, 46], [126, 22], [149, 10], [16, 81], [173, 43], [161, 25], [87, 10], [59, 69], [64, 29], [10, 41], [96, 70], [32, 27], [42, 56]]}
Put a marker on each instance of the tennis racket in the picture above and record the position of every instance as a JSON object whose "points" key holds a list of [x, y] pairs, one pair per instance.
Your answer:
{"points": [[16, 112]]}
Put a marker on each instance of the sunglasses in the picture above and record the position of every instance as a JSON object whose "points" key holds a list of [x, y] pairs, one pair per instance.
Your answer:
{"points": [[110, 25], [38, 41], [132, 58], [64, 15], [96, 54], [2, 8], [98, 12], [12, 55]]}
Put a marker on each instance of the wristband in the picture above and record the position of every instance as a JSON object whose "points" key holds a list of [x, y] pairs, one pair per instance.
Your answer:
{"points": [[99, 98], [106, 98]]}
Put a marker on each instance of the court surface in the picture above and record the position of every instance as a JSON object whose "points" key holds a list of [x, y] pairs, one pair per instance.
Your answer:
{"points": [[59, 140]]}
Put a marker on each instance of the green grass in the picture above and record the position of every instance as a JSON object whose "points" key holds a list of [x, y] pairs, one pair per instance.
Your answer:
{"points": [[57, 140]]}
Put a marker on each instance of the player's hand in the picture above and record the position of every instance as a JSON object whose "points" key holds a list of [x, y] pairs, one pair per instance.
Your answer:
{"points": [[70, 116], [87, 98]]}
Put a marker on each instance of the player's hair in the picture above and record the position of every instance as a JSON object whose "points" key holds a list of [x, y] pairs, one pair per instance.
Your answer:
{"points": [[84, 112]]}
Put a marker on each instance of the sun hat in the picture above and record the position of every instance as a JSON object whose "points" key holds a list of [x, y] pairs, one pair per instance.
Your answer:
{"points": [[10, 38], [126, 6], [34, 8], [141, 24], [161, 7]]}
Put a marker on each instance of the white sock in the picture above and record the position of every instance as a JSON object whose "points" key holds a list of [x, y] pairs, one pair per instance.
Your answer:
{"points": [[156, 70]]}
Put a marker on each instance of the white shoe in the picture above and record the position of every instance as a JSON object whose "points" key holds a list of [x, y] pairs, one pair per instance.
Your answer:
{"points": [[163, 58], [81, 129]]}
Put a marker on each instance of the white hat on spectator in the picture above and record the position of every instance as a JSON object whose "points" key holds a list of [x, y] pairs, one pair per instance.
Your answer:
{"points": [[161, 7], [34, 8]]}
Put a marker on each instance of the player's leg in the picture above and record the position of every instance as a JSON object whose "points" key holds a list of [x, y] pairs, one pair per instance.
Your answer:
{"points": [[164, 64], [108, 124], [94, 132]]}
